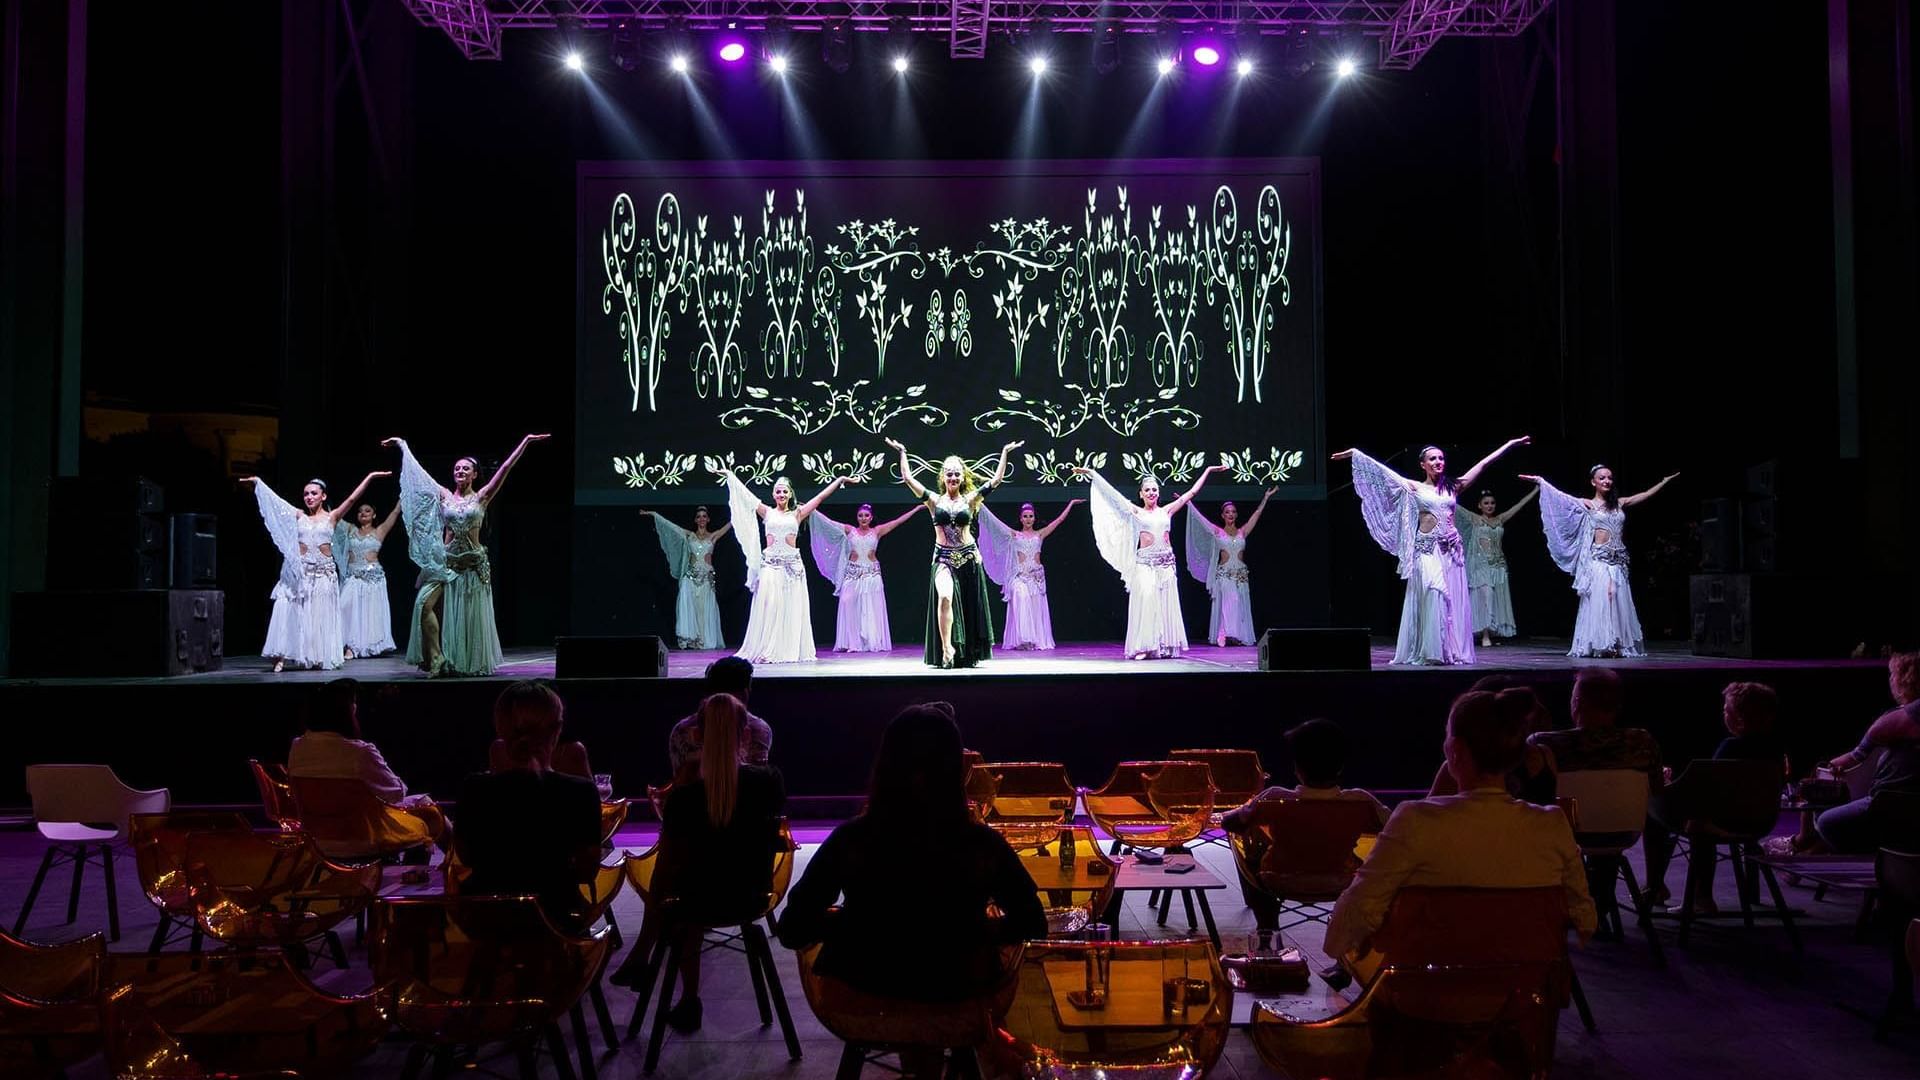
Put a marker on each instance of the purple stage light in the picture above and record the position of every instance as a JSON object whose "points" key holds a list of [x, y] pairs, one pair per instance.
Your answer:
{"points": [[733, 50], [1206, 55]]}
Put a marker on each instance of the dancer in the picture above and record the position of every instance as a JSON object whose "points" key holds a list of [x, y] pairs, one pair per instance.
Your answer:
{"points": [[1586, 538], [366, 616], [453, 630], [305, 627], [1216, 556], [1138, 542], [1413, 520], [1485, 532], [696, 611], [1012, 560], [959, 623], [780, 626], [849, 556]]}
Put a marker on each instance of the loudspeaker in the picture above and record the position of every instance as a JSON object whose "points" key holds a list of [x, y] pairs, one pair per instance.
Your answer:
{"points": [[609, 658], [1765, 615], [75, 496], [1720, 536], [1339, 648], [130, 632], [84, 562], [195, 547]]}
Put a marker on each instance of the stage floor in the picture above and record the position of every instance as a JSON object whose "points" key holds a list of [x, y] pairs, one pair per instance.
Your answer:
{"points": [[1532, 654]]}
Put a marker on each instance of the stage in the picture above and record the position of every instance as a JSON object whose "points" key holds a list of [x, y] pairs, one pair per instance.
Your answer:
{"points": [[1081, 704]]}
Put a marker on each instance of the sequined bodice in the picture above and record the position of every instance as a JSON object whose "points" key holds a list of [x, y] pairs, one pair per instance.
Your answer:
{"points": [[1612, 522], [1488, 537], [363, 549], [952, 517], [783, 528], [1234, 547], [863, 548], [1026, 548], [1441, 505], [1157, 521], [315, 532], [464, 518]]}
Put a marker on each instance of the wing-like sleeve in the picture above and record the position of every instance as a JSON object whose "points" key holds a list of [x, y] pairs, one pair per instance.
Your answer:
{"points": [[283, 526], [1565, 520], [996, 549], [1203, 548], [1115, 526], [829, 541], [743, 510], [420, 509], [1388, 507], [673, 544]]}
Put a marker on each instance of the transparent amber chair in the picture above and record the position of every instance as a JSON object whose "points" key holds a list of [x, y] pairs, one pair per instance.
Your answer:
{"points": [[1044, 1034], [49, 1004], [1076, 896], [872, 1026], [159, 843], [738, 931], [349, 823], [1301, 853], [612, 816], [1024, 801], [476, 970], [240, 1013], [276, 794], [1153, 804], [1238, 776], [274, 889]]}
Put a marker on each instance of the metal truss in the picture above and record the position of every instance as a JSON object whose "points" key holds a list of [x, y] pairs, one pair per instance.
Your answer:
{"points": [[1406, 29]]}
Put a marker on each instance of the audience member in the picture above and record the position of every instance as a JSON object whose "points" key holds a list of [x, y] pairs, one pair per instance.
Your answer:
{"points": [[1848, 829], [1532, 780], [331, 749], [728, 675], [1748, 710]]}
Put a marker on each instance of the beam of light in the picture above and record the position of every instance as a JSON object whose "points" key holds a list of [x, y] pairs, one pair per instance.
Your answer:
{"points": [[900, 65], [733, 51], [678, 62], [575, 62], [1206, 55], [1346, 67], [778, 63], [1164, 65], [1037, 65], [1244, 67]]}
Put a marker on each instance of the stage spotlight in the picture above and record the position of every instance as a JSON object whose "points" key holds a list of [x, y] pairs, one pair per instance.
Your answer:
{"points": [[1244, 67], [1206, 54], [836, 46], [778, 62], [900, 64], [1037, 65], [678, 62], [1106, 50], [1346, 67], [900, 42], [624, 47], [732, 50], [1164, 65], [575, 62]]}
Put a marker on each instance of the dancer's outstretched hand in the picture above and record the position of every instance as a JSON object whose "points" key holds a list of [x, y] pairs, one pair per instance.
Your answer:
{"points": [[1343, 455]]}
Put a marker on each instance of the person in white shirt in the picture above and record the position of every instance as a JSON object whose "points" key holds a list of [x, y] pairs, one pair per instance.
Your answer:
{"points": [[331, 748], [1480, 838]]}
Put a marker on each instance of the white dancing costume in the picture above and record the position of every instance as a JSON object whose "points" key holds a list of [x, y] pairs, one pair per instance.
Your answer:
{"points": [[1226, 578], [780, 626], [304, 630], [1607, 624], [1012, 561], [366, 615], [1155, 627], [850, 560], [1436, 625], [696, 610], [1487, 575]]}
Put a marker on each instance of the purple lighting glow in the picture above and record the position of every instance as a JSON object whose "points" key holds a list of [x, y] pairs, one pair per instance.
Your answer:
{"points": [[1206, 55], [733, 50]]}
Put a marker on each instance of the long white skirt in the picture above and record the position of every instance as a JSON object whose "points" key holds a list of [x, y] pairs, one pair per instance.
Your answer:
{"points": [[696, 614], [305, 630], [1231, 618], [1436, 618], [1155, 627], [1029, 619], [1607, 622], [1492, 601], [366, 615], [780, 626], [862, 622]]}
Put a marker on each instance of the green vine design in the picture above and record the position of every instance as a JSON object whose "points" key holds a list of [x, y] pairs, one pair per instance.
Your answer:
{"points": [[824, 469], [761, 471], [1059, 421], [808, 417], [669, 471]]}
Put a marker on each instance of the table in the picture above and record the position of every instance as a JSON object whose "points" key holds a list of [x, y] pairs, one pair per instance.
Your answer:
{"points": [[1192, 886]]}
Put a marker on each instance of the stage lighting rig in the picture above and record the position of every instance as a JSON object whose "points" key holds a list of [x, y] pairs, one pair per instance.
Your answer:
{"points": [[836, 46]]}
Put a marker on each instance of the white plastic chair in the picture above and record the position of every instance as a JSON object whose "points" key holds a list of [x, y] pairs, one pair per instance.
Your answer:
{"points": [[83, 810], [1611, 810]]}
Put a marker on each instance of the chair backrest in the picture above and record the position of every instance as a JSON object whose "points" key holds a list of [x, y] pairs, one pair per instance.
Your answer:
{"points": [[347, 820], [1303, 849], [1469, 926], [1608, 800], [1896, 819], [1134, 1031], [1027, 801], [276, 795], [69, 971], [49, 1004], [476, 969], [1071, 895], [612, 816], [639, 867], [89, 795], [159, 844], [1738, 799], [272, 888], [1859, 779], [1237, 774], [869, 1020], [1898, 873], [1154, 803]]}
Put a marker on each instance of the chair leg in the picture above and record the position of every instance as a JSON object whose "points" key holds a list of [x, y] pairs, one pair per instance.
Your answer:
{"points": [[647, 978], [613, 932], [852, 1060], [582, 1044], [160, 934], [774, 991], [1186, 897], [1692, 894], [1166, 905], [1644, 911], [195, 939], [1740, 885], [416, 1057], [113, 895], [525, 1054], [674, 959], [759, 981], [608, 1033], [1580, 999], [557, 1046], [336, 950], [963, 1064], [33, 893], [1780, 905], [79, 868]]}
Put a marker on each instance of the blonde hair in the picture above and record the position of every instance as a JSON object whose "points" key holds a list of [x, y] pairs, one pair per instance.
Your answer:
{"points": [[966, 474], [721, 718], [527, 717], [1904, 672]]}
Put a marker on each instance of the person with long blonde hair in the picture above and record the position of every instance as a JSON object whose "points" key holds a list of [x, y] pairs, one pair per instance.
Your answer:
{"points": [[717, 836], [959, 623]]}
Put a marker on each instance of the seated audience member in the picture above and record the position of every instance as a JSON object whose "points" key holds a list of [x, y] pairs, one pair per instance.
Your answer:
{"points": [[728, 675], [1597, 741], [331, 749], [569, 758], [1481, 838], [917, 874], [1532, 780], [1749, 710], [717, 840], [528, 829], [1847, 829]]}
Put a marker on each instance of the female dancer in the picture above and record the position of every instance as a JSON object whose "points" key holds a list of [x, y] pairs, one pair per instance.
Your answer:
{"points": [[453, 629], [1138, 542], [959, 624], [1012, 560], [1584, 537], [1413, 521], [696, 611], [366, 618], [849, 556], [1216, 555], [305, 628], [780, 626], [1485, 533]]}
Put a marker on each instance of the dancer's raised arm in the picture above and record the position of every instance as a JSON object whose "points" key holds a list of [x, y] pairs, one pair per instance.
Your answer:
{"points": [[1000, 473], [1632, 500], [1247, 529], [1507, 515], [906, 471], [1467, 478], [882, 530], [1195, 489], [340, 511], [492, 487], [1055, 523], [813, 504]]}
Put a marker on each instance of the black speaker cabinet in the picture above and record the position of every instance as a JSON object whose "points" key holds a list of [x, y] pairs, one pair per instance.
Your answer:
{"points": [[195, 547], [125, 632], [640, 657], [82, 496], [1339, 648], [1768, 615], [1720, 536]]}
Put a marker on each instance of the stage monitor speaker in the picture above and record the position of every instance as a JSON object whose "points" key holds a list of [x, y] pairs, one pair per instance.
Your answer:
{"points": [[126, 632], [1337, 648], [1766, 615], [640, 657], [1720, 536], [195, 548]]}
